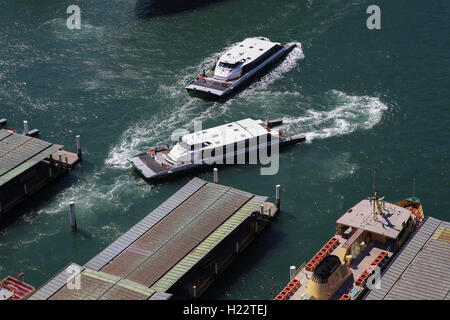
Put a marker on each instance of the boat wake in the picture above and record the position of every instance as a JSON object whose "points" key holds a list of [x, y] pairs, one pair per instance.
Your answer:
{"points": [[288, 63], [349, 114]]}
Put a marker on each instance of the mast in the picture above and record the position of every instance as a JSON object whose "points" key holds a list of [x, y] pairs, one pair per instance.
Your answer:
{"points": [[374, 191], [375, 183]]}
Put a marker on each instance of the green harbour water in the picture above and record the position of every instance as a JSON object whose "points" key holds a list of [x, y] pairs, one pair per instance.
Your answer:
{"points": [[364, 99]]}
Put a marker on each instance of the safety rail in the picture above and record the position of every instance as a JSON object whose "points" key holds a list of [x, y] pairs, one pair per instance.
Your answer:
{"points": [[322, 253], [288, 290], [369, 270]]}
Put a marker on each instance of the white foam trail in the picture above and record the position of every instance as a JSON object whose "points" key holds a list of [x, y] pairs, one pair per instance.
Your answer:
{"points": [[351, 113], [288, 63], [94, 194], [340, 167], [143, 136], [55, 20]]}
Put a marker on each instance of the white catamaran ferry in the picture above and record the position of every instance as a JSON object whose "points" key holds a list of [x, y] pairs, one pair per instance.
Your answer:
{"points": [[236, 142], [237, 65]]}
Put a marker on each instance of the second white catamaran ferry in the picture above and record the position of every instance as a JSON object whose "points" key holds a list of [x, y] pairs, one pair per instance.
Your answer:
{"points": [[235, 142], [237, 65]]}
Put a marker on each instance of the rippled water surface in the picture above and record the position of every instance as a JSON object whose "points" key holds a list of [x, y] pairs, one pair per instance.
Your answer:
{"points": [[364, 98]]}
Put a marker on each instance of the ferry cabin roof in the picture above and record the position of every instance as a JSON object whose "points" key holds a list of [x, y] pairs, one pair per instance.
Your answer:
{"points": [[228, 133], [389, 224], [248, 50]]}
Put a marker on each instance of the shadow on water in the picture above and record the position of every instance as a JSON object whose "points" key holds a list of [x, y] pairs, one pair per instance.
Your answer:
{"points": [[250, 257], [39, 199], [155, 8]]}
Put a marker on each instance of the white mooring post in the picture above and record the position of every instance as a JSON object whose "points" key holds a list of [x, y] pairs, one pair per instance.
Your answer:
{"points": [[73, 219], [79, 147], [216, 175], [60, 157], [195, 291], [25, 128], [277, 196], [261, 209], [292, 272]]}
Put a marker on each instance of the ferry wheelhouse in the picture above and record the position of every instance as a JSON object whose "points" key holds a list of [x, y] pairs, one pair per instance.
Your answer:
{"points": [[236, 142], [237, 65]]}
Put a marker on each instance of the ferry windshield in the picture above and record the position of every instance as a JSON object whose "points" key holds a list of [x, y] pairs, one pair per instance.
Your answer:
{"points": [[229, 65], [179, 149], [184, 145]]}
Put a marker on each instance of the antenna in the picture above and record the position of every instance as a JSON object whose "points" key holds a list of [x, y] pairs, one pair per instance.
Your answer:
{"points": [[374, 191], [375, 183], [414, 187]]}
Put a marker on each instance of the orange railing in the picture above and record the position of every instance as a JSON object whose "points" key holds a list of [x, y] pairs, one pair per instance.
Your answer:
{"points": [[322, 253], [345, 296], [288, 290], [366, 274]]}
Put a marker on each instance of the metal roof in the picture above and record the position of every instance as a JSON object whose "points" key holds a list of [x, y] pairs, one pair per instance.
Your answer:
{"points": [[247, 51], [181, 230], [114, 249], [208, 244], [420, 271], [227, 133], [19, 153], [189, 236]]}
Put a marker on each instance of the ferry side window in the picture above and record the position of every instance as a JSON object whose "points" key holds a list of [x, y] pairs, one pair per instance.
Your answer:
{"points": [[269, 138], [247, 154]]}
